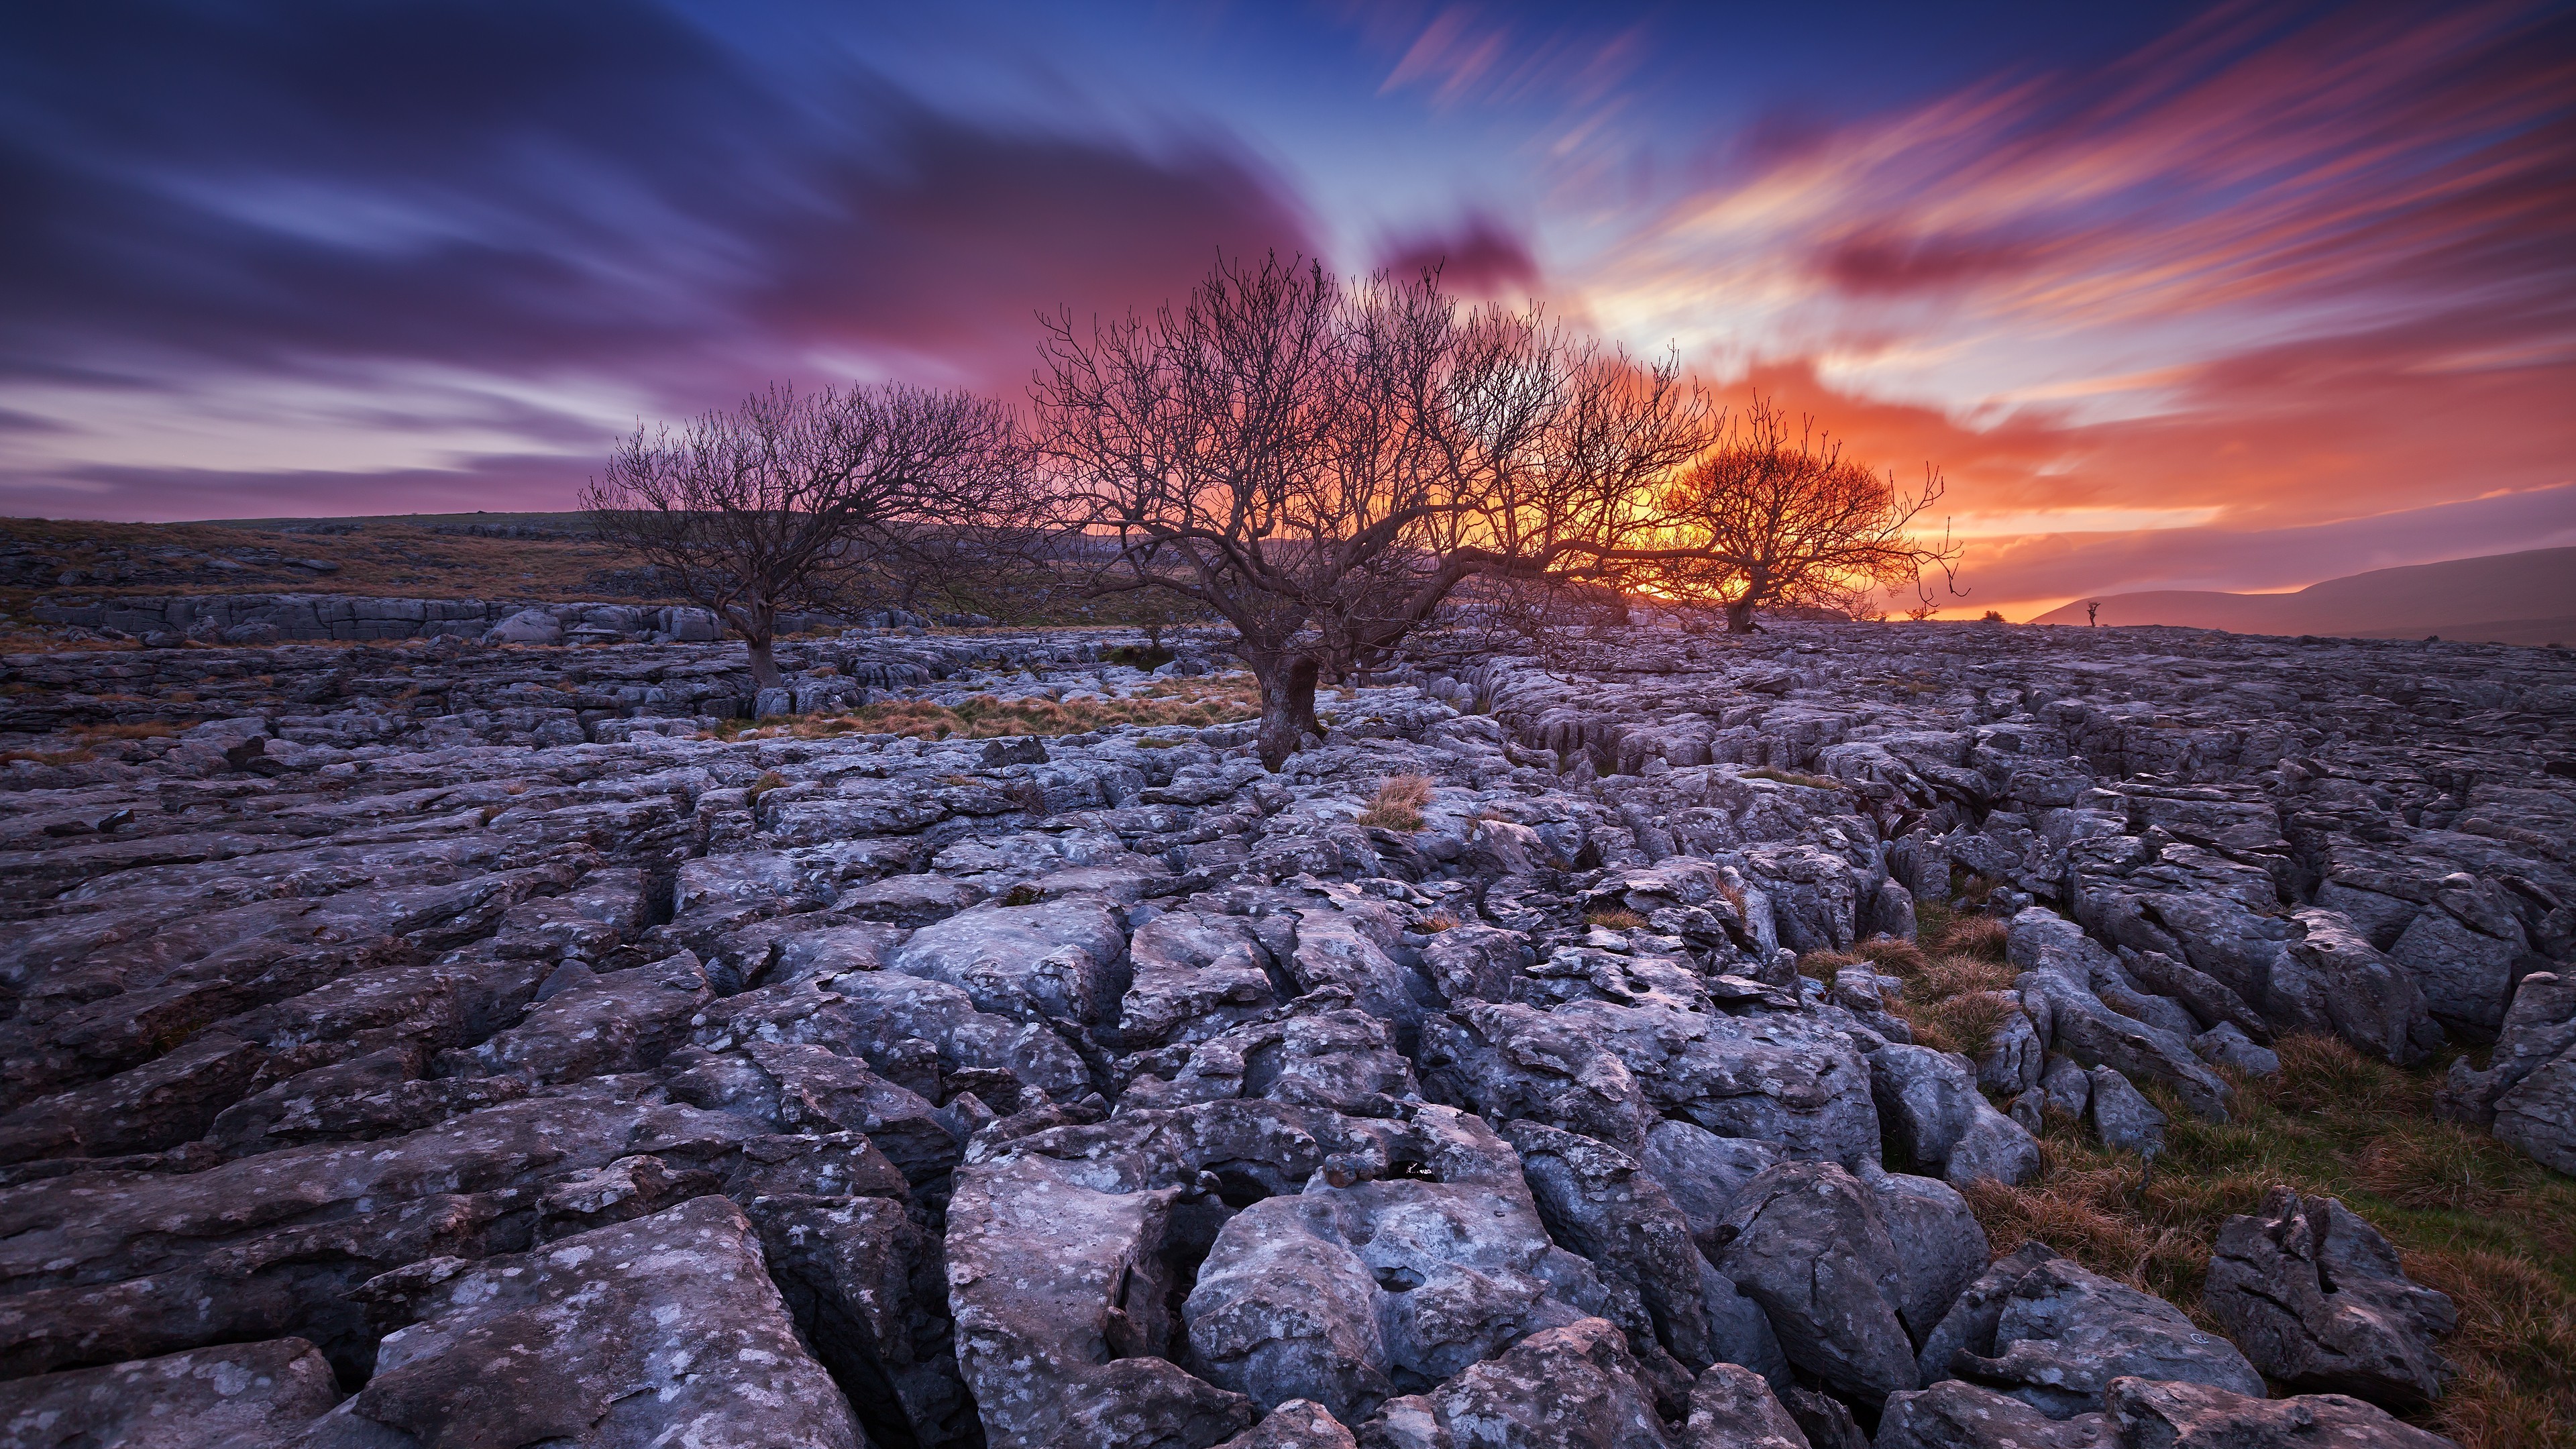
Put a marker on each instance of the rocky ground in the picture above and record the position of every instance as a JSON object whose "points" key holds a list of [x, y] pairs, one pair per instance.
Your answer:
{"points": [[450, 1045]]}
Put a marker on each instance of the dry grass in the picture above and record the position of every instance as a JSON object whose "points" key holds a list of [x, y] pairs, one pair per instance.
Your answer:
{"points": [[154, 730], [47, 757], [1190, 705], [1949, 1000], [1979, 936], [1398, 803], [2470, 1216], [1615, 920]]}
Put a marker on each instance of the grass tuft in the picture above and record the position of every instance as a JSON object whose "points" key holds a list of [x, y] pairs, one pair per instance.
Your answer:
{"points": [[1398, 803], [1615, 920]]}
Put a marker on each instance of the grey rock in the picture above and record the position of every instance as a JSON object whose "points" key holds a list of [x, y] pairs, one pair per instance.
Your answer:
{"points": [[2465, 952], [2315, 1297], [2538, 1114], [2148, 1414], [1044, 961], [1924, 1101], [2064, 1333], [2067, 1086], [654, 1328], [1958, 1415], [1940, 1248], [1703, 1173], [1995, 1148], [1731, 1407], [1506, 1061], [1574, 1387], [2226, 1045], [2539, 1028], [1805, 1241], [1969, 1321], [2013, 1063], [528, 626], [1825, 1421], [1597, 1201], [2332, 981], [1296, 1424], [239, 1396], [2123, 1117]]}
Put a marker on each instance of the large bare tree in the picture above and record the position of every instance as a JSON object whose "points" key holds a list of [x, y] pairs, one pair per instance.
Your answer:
{"points": [[1775, 515], [1321, 464], [787, 501]]}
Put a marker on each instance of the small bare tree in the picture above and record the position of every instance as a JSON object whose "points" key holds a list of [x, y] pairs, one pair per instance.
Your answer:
{"points": [[778, 504], [1322, 464], [1776, 516]]}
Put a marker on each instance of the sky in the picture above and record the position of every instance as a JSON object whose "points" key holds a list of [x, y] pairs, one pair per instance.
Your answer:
{"points": [[2174, 296]]}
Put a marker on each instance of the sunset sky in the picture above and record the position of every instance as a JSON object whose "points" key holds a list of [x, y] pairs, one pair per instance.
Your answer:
{"points": [[2177, 297]]}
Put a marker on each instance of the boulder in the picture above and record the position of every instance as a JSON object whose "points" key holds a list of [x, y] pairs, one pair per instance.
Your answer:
{"points": [[2539, 1028], [528, 626], [2122, 1116], [2315, 1297], [1958, 1415], [1561, 1388], [238, 1396], [1703, 1173], [2150, 1414], [1732, 1408], [642, 1331], [1596, 1201], [1940, 1248], [1806, 1242], [2064, 1333], [2332, 981], [1049, 961]]}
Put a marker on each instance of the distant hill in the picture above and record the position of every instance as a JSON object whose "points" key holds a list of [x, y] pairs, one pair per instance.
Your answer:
{"points": [[2506, 598]]}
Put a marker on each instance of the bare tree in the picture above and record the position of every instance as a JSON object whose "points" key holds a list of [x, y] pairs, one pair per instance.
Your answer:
{"points": [[780, 503], [1323, 464], [1777, 516]]}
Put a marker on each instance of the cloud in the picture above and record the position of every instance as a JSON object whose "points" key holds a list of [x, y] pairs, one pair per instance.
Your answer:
{"points": [[594, 206], [1879, 262], [1480, 258], [2302, 283], [516, 482], [2243, 182], [2034, 573]]}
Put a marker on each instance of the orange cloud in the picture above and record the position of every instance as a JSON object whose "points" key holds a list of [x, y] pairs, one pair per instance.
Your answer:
{"points": [[2256, 278]]}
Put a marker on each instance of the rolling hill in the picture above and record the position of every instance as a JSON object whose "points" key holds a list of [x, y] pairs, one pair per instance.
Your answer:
{"points": [[2509, 598]]}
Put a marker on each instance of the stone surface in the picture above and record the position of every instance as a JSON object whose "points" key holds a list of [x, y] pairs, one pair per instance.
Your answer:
{"points": [[240, 1396], [1110, 1089], [1806, 1242], [2315, 1297], [2147, 1414], [2061, 1334], [597, 1338]]}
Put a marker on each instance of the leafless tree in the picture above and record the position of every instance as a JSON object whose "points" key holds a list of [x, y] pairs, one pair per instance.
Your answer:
{"points": [[1776, 516], [1321, 464], [781, 503]]}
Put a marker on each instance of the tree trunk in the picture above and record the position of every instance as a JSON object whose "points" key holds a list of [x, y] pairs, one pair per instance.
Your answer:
{"points": [[1739, 617], [1287, 708], [764, 663]]}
